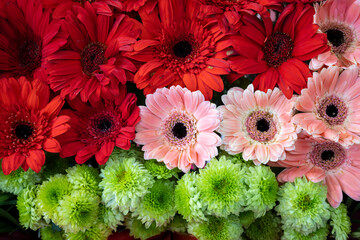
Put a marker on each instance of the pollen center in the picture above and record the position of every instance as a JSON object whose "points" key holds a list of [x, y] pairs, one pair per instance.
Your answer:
{"points": [[179, 130], [278, 49], [260, 126], [23, 131], [335, 37], [104, 124], [327, 155], [29, 56], [340, 37], [92, 56], [333, 110], [182, 49]]}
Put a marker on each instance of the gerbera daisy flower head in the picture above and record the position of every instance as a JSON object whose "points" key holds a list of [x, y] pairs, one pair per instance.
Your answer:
{"points": [[277, 53], [95, 61], [258, 124], [28, 124], [177, 127], [329, 105], [340, 21], [29, 38], [179, 49], [327, 161], [97, 128]]}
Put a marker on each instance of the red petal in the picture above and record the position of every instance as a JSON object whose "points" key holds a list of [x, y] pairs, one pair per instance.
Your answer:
{"points": [[51, 145], [103, 154], [12, 162], [123, 143], [36, 160], [84, 154], [53, 108], [70, 149]]}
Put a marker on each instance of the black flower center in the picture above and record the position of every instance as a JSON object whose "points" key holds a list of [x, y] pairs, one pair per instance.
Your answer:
{"points": [[335, 37], [331, 110], [179, 130], [262, 125], [23, 131], [327, 155], [278, 49], [182, 49], [29, 56], [104, 124], [92, 56]]}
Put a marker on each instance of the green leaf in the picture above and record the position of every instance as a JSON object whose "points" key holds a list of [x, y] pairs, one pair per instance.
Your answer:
{"points": [[8, 217]]}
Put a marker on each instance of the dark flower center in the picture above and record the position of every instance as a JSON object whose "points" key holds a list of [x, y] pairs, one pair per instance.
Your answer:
{"points": [[262, 125], [29, 56], [23, 131], [182, 49], [333, 110], [92, 56], [179, 130], [278, 49], [335, 37], [327, 155], [104, 124]]}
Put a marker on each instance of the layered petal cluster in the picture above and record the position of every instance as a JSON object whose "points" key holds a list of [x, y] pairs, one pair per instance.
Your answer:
{"points": [[277, 54], [28, 124], [94, 64], [329, 106], [258, 124], [340, 21], [179, 49], [177, 127]]}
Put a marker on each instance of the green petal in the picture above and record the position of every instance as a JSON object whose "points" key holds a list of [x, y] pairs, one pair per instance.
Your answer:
{"points": [[111, 217], [320, 234], [48, 233], [85, 178], [139, 230], [340, 222], [178, 224], [266, 227], [159, 170], [98, 231]]}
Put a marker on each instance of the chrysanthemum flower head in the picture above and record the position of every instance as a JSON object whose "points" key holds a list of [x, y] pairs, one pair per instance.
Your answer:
{"points": [[176, 127], [139, 230], [111, 217], [320, 234], [157, 205], [329, 105], [125, 182], [97, 231], [340, 21], [28, 124], [217, 228], [303, 206], [84, 177], [246, 218], [222, 188], [178, 224], [48, 233], [340, 222], [258, 124], [159, 169], [267, 227]]}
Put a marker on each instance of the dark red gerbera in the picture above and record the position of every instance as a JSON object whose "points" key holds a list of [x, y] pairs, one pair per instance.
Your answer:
{"points": [[179, 49], [28, 124], [94, 63], [27, 38], [277, 54], [97, 128]]}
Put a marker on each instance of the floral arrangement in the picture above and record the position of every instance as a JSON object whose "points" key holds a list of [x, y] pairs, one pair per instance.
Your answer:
{"points": [[214, 119]]}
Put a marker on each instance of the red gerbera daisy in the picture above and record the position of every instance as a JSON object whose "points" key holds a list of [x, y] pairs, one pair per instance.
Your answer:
{"points": [[277, 53], [97, 129], [28, 124], [181, 50], [136, 5], [28, 37], [94, 64]]}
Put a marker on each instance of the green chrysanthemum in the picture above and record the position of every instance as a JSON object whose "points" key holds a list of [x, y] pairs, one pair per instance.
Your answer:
{"points": [[29, 215], [157, 205], [50, 193], [237, 158], [125, 181], [138, 230], [262, 190], [266, 227], [159, 170], [48, 233], [111, 217], [78, 211], [221, 187], [54, 165], [246, 218], [291, 234], [17, 180], [98, 231], [84, 177], [178, 224], [340, 222], [303, 206], [133, 152], [217, 228], [187, 198]]}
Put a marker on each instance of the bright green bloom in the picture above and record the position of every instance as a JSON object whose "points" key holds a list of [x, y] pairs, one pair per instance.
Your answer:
{"points": [[221, 187], [157, 205], [17, 180], [50, 193], [48, 233], [303, 206], [111, 217], [246, 218], [159, 169], [97, 231], [262, 189], [125, 181], [291, 234], [217, 228], [133, 152], [138, 230], [178, 224], [237, 158], [29, 215], [266, 227], [84, 177], [187, 198], [340, 222], [78, 211]]}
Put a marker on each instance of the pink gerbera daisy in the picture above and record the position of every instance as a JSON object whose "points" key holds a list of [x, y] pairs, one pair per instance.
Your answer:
{"points": [[258, 124], [340, 20], [328, 161], [177, 127], [329, 106]]}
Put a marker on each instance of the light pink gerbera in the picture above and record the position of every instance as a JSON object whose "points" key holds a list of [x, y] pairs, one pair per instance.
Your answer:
{"points": [[340, 20], [258, 124], [177, 127], [329, 106], [328, 161]]}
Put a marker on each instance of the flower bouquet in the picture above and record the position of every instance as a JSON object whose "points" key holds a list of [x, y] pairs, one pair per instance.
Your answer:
{"points": [[179, 119]]}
